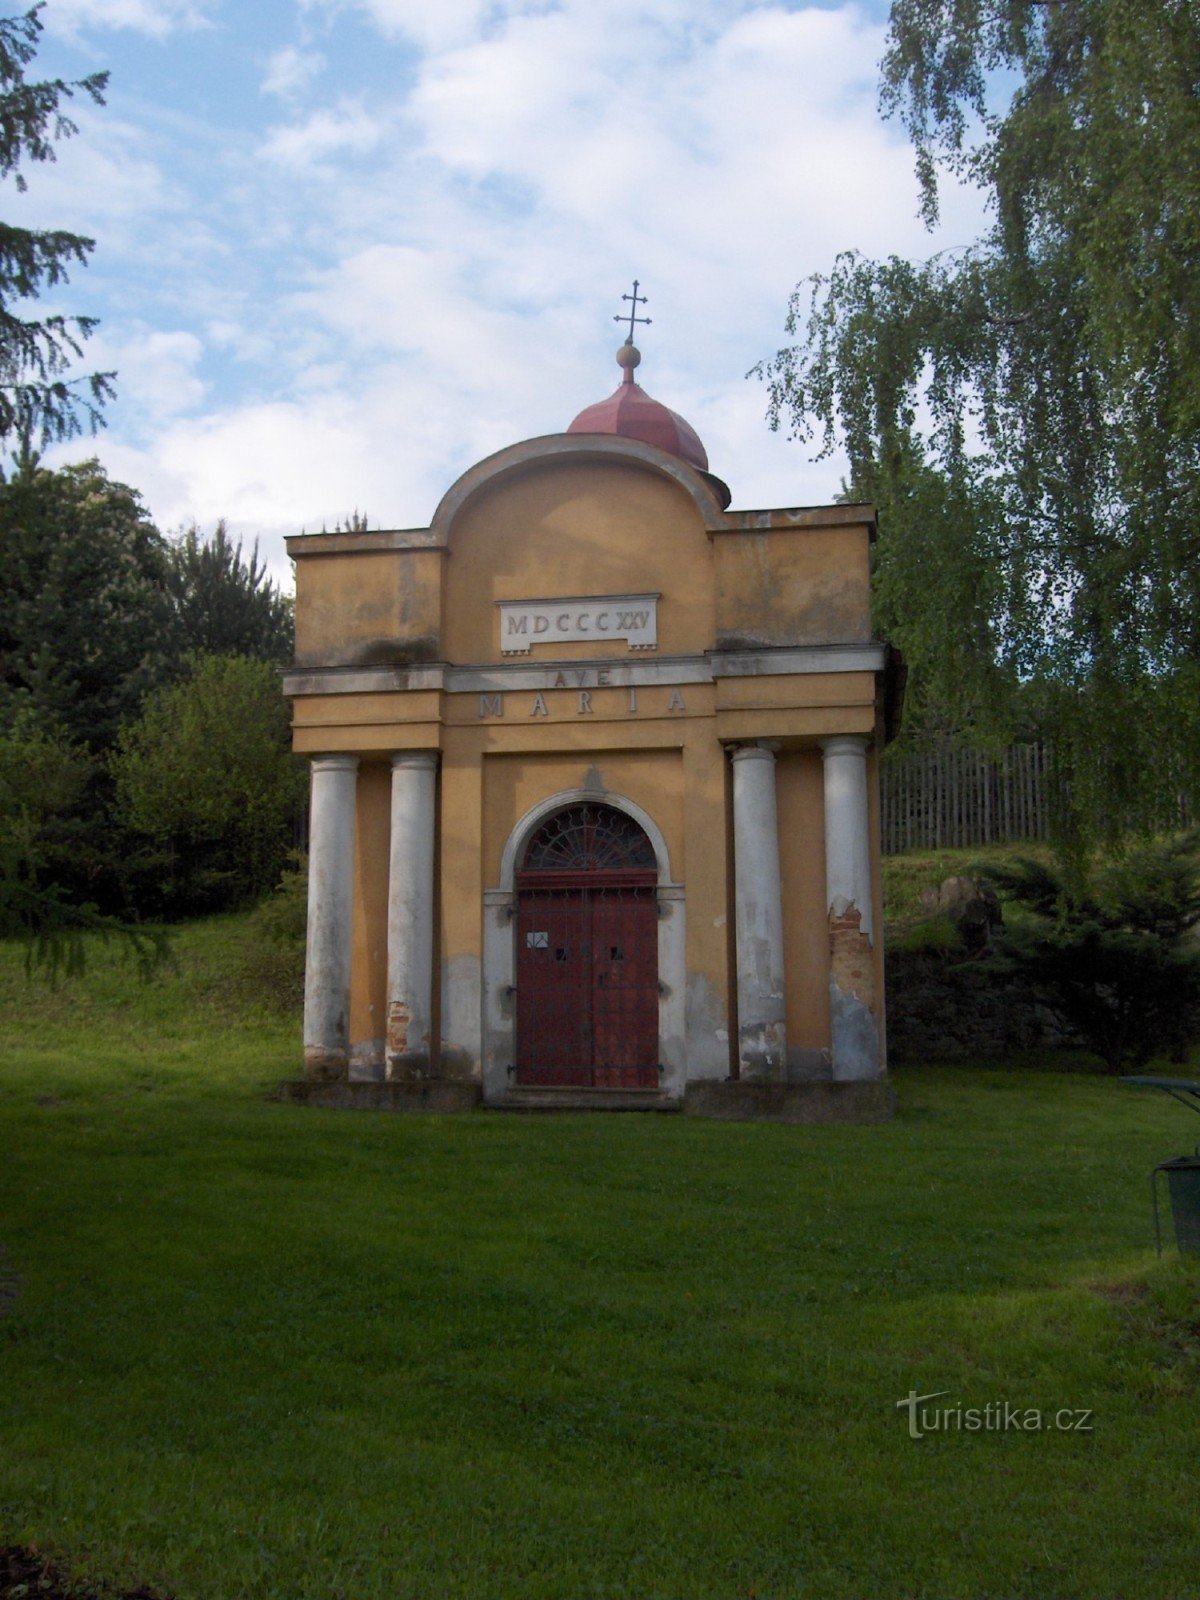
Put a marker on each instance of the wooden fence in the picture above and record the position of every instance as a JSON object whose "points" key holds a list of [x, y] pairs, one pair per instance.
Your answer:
{"points": [[957, 796]]}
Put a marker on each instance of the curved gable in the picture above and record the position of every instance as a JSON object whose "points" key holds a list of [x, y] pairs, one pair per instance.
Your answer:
{"points": [[583, 517]]}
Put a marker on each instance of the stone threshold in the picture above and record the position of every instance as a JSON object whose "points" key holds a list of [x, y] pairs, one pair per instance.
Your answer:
{"points": [[565, 1097]]}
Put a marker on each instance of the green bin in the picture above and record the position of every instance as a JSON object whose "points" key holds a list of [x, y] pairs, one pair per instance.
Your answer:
{"points": [[1183, 1187]]}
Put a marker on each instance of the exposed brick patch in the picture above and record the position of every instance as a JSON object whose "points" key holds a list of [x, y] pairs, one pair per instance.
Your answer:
{"points": [[851, 955], [397, 1028]]}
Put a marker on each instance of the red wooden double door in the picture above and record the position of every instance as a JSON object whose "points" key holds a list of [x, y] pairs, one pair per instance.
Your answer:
{"points": [[587, 953]]}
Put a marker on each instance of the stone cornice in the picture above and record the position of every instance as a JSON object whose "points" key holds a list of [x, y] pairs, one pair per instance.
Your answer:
{"points": [[770, 661]]}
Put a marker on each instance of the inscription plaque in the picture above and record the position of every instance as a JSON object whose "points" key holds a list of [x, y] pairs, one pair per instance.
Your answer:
{"points": [[587, 620]]}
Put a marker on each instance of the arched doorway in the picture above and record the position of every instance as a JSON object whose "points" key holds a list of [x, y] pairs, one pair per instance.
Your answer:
{"points": [[587, 953]]}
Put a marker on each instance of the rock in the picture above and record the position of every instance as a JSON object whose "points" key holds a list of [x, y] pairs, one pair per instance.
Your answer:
{"points": [[973, 908]]}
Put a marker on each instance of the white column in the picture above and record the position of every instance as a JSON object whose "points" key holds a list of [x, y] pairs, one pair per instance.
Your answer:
{"points": [[410, 914], [850, 905], [330, 911], [758, 915], [848, 829]]}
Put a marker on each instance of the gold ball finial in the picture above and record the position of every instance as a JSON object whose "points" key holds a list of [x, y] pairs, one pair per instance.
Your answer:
{"points": [[629, 356]]}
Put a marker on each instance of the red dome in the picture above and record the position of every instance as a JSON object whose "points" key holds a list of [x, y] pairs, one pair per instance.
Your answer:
{"points": [[631, 413]]}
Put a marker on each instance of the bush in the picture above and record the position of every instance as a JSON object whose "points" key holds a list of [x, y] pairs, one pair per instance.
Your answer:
{"points": [[206, 776], [1110, 951]]}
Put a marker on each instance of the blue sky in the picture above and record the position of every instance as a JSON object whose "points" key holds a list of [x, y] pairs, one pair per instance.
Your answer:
{"points": [[345, 248]]}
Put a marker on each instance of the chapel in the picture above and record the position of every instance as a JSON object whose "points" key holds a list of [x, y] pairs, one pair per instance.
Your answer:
{"points": [[594, 814]]}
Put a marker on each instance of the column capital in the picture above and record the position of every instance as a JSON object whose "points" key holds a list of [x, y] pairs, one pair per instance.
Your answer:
{"points": [[426, 760], [845, 744], [761, 750], [334, 763]]}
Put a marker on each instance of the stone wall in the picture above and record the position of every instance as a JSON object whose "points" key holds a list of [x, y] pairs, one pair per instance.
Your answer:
{"points": [[943, 1008]]}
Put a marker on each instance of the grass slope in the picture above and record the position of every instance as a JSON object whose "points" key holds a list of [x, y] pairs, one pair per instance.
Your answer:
{"points": [[264, 1351]]}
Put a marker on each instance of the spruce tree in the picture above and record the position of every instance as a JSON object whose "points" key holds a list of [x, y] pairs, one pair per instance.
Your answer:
{"points": [[225, 604], [40, 400]]}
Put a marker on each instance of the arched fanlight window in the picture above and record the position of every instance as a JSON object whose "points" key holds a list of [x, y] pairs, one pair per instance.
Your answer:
{"points": [[589, 838]]}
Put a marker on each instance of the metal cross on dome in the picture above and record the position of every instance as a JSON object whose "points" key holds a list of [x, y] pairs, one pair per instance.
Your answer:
{"points": [[631, 315]]}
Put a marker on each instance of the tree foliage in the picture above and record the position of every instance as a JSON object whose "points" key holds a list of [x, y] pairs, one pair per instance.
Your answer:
{"points": [[223, 603], [1109, 951], [39, 399], [1026, 411], [85, 618], [43, 775], [206, 774], [98, 614]]}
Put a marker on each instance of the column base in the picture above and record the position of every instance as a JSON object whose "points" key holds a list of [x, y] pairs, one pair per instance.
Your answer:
{"points": [[325, 1066], [736, 1100], [762, 1052]]}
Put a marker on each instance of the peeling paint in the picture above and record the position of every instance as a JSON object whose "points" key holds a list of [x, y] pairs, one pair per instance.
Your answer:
{"points": [[397, 1028], [761, 1052], [768, 995], [855, 1036], [408, 1057], [852, 996], [462, 1023], [367, 1061], [707, 1030]]}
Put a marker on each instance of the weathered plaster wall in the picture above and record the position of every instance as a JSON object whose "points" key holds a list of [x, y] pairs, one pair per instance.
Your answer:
{"points": [[794, 707], [780, 586], [514, 783], [711, 1030], [368, 607], [799, 790], [566, 528], [461, 896]]}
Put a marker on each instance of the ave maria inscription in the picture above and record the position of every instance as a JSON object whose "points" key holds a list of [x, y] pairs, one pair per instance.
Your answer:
{"points": [[625, 703], [589, 619]]}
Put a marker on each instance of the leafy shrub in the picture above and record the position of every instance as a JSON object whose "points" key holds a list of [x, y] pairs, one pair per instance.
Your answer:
{"points": [[1111, 950], [931, 935], [206, 776]]}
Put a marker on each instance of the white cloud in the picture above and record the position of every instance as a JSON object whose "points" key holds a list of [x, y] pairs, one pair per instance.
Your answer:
{"points": [[291, 70], [392, 286], [346, 127], [274, 469], [102, 180], [432, 26], [158, 18], [155, 370]]}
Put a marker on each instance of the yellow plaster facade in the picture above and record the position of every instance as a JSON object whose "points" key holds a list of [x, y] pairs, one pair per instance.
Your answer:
{"points": [[462, 687]]}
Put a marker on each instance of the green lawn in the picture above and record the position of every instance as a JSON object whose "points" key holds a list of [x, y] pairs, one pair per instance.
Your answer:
{"points": [[263, 1350]]}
